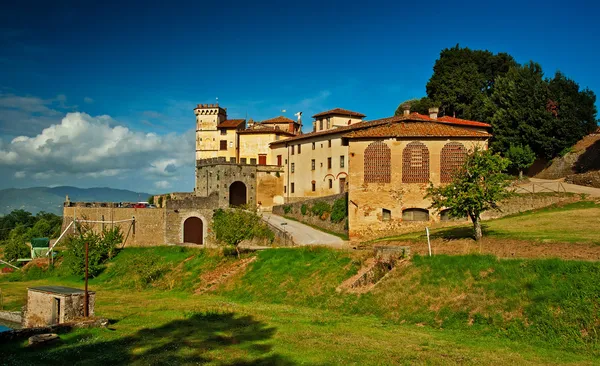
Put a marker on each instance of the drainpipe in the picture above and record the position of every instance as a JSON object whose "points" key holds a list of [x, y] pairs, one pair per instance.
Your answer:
{"points": [[288, 173]]}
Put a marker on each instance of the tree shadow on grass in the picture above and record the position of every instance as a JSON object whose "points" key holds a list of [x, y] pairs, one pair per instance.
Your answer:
{"points": [[220, 338], [457, 232]]}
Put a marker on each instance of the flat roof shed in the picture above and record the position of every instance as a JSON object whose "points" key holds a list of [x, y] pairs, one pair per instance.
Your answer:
{"points": [[50, 305]]}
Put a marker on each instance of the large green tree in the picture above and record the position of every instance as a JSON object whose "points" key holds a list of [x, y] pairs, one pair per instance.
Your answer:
{"points": [[477, 187], [463, 78], [416, 105]]}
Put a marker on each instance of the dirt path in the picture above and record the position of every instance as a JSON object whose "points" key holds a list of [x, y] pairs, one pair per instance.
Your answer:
{"points": [[506, 248], [304, 234], [554, 185]]}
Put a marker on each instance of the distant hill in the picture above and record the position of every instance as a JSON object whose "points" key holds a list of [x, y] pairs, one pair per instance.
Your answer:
{"points": [[51, 199]]}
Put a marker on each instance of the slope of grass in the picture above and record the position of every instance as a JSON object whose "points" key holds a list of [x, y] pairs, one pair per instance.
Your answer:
{"points": [[537, 304], [571, 223]]}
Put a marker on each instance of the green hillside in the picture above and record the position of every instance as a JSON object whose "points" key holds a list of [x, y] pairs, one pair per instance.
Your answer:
{"points": [[51, 199]]}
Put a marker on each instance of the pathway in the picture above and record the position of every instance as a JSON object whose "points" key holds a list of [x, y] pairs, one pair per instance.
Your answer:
{"points": [[549, 185], [304, 234]]}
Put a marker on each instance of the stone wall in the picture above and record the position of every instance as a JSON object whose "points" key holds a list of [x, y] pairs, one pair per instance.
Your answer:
{"points": [[296, 213]]}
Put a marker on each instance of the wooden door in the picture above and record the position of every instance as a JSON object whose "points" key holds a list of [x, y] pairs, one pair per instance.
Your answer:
{"points": [[342, 185], [262, 159]]}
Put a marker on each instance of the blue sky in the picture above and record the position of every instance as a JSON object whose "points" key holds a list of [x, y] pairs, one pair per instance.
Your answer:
{"points": [[143, 66]]}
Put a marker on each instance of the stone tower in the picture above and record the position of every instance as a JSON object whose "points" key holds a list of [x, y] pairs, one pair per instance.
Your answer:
{"points": [[208, 116]]}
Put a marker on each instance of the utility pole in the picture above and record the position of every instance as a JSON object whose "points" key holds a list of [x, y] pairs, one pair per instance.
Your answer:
{"points": [[86, 310]]}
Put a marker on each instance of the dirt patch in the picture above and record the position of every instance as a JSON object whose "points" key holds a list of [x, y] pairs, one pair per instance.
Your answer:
{"points": [[590, 179], [37, 262], [506, 248], [211, 280], [371, 273]]}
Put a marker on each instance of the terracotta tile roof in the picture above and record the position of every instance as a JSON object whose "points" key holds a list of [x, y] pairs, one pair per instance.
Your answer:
{"points": [[458, 121], [413, 117], [265, 130], [339, 111], [416, 129], [231, 123], [280, 119]]}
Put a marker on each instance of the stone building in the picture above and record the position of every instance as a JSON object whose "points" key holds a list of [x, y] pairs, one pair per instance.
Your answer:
{"points": [[51, 305], [383, 165]]}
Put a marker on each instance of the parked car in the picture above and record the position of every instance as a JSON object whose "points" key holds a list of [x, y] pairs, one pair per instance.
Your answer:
{"points": [[140, 205]]}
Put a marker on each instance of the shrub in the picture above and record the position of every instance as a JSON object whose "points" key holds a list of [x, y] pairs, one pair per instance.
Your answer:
{"points": [[319, 208], [235, 225], [339, 210], [145, 269], [102, 247], [287, 209], [304, 209], [16, 248]]}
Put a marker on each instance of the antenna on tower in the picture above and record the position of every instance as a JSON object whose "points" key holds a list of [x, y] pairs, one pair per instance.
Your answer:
{"points": [[217, 100]]}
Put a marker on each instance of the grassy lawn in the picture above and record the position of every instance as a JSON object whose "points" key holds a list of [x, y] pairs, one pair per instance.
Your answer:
{"points": [[573, 223], [151, 327], [285, 310]]}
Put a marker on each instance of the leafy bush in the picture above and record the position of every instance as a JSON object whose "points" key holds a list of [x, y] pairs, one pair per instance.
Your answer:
{"points": [[304, 209], [15, 245], [102, 247], [319, 208], [145, 269], [339, 210], [232, 226], [287, 209]]}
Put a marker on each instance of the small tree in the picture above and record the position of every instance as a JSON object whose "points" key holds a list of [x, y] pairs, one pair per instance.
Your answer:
{"points": [[15, 245], [521, 157], [475, 188], [232, 226]]}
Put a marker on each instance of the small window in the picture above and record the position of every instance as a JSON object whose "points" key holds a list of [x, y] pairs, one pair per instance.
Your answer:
{"points": [[386, 215], [223, 144], [293, 149], [253, 161], [342, 161], [232, 160], [230, 143], [312, 164], [292, 167], [329, 143], [292, 187], [242, 160], [223, 132], [330, 183], [284, 189], [314, 186], [285, 161], [320, 125], [415, 214], [328, 163], [299, 148], [313, 145]]}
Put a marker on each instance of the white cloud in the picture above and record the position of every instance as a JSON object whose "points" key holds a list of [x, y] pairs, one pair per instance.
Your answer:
{"points": [[162, 184], [88, 100], [97, 147]]}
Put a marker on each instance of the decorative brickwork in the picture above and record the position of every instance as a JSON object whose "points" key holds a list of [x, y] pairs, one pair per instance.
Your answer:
{"points": [[378, 161], [415, 163], [452, 158]]}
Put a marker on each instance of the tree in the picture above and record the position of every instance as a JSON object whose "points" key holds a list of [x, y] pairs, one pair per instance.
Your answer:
{"points": [[102, 246], [15, 245], [420, 106], [477, 187], [521, 157], [463, 79], [232, 226]]}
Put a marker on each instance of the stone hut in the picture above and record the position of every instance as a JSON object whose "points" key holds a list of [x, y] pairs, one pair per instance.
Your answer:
{"points": [[50, 305]]}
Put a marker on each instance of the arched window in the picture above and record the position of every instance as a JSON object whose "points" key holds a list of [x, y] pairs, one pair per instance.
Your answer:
{"points": [[378, 161], [415, 163], [452, 157], [415, 214]]}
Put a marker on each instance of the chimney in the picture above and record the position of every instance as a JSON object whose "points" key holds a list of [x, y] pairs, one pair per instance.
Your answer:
{"points": [[433, 112], [406, 109]]}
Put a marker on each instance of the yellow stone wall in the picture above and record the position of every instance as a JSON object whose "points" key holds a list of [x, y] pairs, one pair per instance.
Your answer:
{"points": [[367, 200]]}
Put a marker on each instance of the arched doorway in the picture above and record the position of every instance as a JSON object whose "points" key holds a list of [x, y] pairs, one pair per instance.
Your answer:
{"points": [[237, 194], [193, 230]]}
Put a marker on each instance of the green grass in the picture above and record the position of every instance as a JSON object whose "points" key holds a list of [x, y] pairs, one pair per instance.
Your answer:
{"points": [[571, 223], [285, 310], [342, 236]]}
